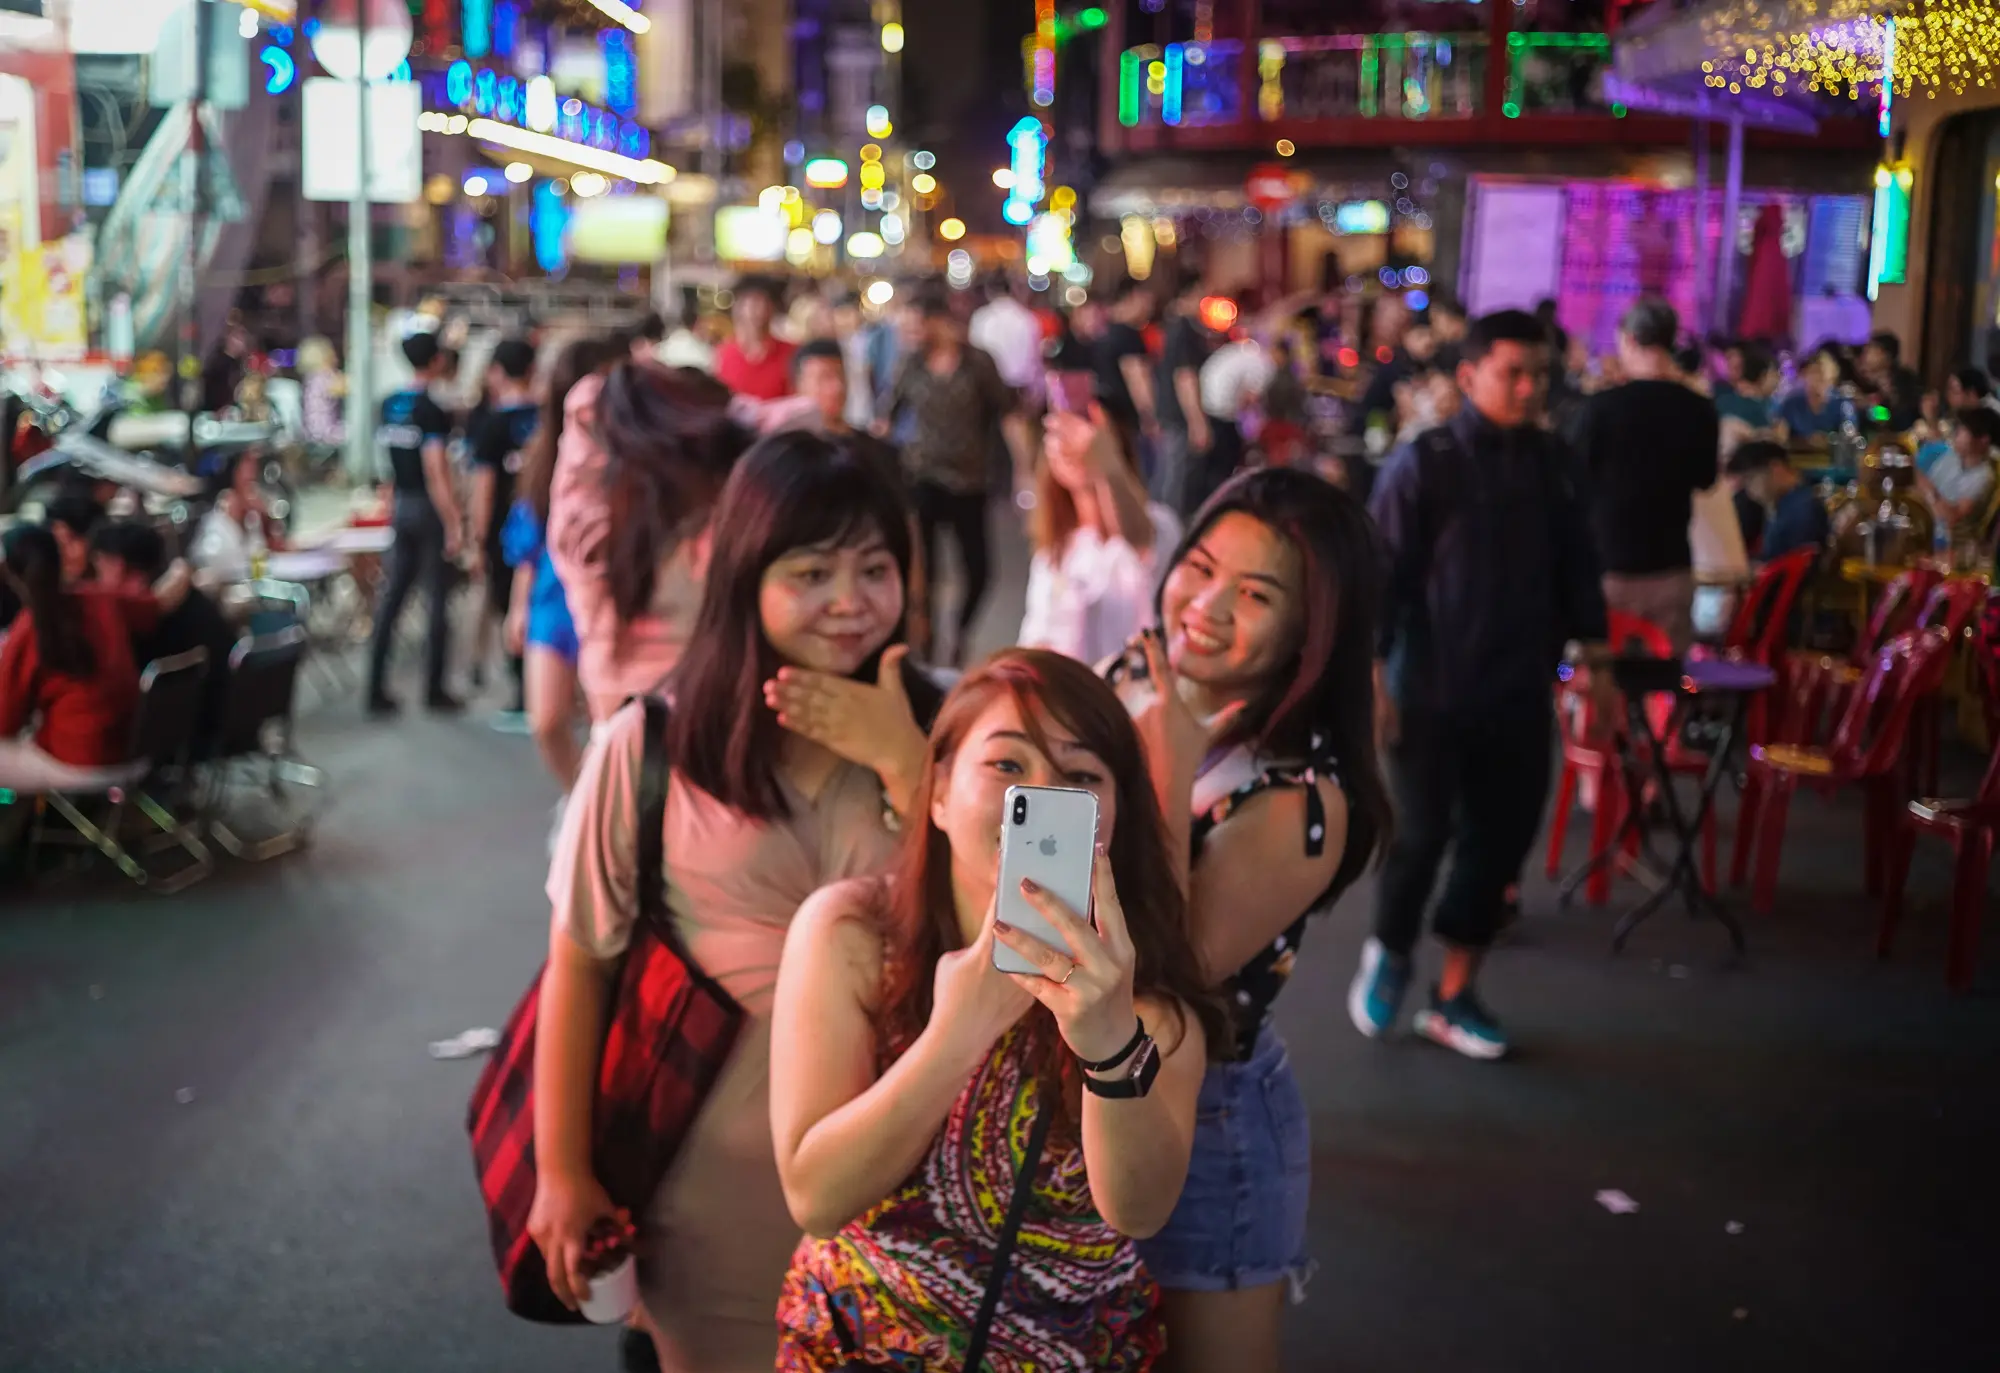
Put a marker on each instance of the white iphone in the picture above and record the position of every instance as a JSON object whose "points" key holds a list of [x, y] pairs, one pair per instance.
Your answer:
{"points": [[1048, 834]]}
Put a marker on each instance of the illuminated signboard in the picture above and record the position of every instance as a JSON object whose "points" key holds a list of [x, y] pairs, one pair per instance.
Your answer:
{"points": [[463, 88], [621, 70]]}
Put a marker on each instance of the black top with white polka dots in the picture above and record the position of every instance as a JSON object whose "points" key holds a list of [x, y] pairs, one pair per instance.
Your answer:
{"points": [[1250, 994]]}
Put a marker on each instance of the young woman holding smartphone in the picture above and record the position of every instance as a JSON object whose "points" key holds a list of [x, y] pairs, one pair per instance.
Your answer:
{"points": [[811, 546], [1256, 701], [907, 1071]]}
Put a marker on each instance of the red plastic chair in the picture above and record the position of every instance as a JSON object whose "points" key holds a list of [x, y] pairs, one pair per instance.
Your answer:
{"points": [[1953, 606], [1757, 631], [1970, 826], [1865, 751], [1820, 686], [1590, 759]]}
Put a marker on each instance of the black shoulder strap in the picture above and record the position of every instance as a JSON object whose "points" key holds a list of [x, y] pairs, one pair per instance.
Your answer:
{"points": [[1003, 1252], [653, 775]]}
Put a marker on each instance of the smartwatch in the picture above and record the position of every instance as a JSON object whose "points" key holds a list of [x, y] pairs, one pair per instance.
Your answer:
{"points": [[1145, 1058]]}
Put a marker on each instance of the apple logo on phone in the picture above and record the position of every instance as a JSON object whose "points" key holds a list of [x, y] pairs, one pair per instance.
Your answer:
{"points": [[1048, 847]]}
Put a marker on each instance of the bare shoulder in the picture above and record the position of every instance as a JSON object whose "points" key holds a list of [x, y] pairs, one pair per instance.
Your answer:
{"points": [[1276, 820], [841, 925]]}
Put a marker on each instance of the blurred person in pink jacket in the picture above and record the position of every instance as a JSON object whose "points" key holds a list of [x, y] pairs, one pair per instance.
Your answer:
{"points": [[644, 452]]}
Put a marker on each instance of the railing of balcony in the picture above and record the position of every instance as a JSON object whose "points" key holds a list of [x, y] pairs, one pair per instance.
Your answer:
{"points": [[1389, 76]]}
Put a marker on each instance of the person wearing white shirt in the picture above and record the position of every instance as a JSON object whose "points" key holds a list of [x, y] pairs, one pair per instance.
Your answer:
{"points": [[1011, 335], [1959, 484], [1097, 540], [1233, 380]]}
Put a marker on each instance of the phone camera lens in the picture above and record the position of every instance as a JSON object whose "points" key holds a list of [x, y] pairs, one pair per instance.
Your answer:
{"points": [[1020, 810]]}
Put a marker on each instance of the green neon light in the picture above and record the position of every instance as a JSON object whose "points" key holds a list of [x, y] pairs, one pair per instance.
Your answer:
{"points": [[1370, 69], [1129, 69], [1092, 18]]}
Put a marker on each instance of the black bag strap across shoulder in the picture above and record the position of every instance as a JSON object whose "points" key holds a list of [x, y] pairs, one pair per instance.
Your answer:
{"points": [[655, 771], [1003, 1258], [1010, 1231]]}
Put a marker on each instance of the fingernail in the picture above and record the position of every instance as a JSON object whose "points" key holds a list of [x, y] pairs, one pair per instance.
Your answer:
{"points": [[1030, 886], [1002, 927]]}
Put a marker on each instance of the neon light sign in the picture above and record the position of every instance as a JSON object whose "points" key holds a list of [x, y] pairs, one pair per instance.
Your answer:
{"points": [[475, 26], [480, 91], [621, 66]]}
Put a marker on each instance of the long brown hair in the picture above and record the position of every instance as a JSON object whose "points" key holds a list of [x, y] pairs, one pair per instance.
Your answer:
{"points": [[920, 918], [1054, 517], [669, 444], [578, 359]]}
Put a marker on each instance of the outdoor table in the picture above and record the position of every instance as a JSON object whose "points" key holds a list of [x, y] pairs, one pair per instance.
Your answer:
{"points": [[306, 566], [360, 541], [1723, 680]]}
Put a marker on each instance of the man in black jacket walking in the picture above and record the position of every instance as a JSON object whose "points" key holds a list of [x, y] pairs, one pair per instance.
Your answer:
{"points": [[1491, 573]]}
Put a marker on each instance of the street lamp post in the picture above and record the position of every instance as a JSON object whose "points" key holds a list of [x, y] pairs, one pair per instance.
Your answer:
{"points": [[360, 281], [357, 45]]}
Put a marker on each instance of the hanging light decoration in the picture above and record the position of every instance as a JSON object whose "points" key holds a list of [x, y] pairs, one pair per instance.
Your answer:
{"points": [[1838, 47]]}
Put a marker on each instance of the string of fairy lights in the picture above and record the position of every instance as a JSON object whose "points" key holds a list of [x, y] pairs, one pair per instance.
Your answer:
{"points": [[1837, 47]]}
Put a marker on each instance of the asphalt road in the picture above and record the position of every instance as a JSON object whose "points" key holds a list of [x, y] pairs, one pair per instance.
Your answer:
{"points": [[223, 1145]]}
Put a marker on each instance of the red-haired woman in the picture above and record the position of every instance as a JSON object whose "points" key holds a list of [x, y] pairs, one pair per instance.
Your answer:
{"points": [[906, 1070]]}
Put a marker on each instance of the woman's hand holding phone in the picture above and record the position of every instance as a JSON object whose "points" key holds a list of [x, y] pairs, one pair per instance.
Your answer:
{"points": [[972, 1002], [1090, 993]]}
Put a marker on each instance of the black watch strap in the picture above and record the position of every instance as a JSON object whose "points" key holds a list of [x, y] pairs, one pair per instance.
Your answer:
{"points": [[1136, 1083], [1131, 1047]]}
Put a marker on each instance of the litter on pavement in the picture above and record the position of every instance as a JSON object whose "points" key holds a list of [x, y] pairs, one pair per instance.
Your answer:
{"points": [[477, 1040]]}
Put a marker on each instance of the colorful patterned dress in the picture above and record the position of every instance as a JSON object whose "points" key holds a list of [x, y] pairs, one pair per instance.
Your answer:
{"points": [[899, 1287]]}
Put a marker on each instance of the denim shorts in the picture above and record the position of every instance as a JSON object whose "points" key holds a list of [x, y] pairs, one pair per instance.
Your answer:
{"points": [[1241, 1219]]}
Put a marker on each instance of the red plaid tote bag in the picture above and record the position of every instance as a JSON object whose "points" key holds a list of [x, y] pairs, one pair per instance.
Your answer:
{"points": [[670, 1032]]}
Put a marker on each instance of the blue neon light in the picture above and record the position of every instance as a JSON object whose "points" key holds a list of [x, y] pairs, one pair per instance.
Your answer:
{"points": [[620, 70], [548, 223], [1170, 101], [1030, 144], [475, 21], [463, 88], [283, 71], [1888, 78], [506, 25], [1016, 210]]}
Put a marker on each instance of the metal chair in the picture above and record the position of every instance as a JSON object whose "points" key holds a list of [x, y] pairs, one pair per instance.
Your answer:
{"points": [[255, 744], [170, 698]]}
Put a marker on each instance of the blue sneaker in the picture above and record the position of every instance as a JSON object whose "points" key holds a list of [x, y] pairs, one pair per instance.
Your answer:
{"points": [[1463, 1025], [1376, 994]]}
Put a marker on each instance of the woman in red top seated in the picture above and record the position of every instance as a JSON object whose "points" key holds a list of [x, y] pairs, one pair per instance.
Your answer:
{"points": [[68, 660]]}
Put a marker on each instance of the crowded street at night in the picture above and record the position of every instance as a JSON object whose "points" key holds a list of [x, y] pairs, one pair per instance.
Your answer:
{"points": [[998, 686]]}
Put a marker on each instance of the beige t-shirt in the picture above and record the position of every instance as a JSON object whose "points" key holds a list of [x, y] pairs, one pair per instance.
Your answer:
{"points": [[733, 884]]}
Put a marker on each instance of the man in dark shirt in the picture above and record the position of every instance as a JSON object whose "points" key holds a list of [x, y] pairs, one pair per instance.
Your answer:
{"points": [[1891, 395], [429, 528], [1184, 429], [1491, 572], [1790, 513], [1647, 446], [1124, 376], [130, 556], [496, 447]]}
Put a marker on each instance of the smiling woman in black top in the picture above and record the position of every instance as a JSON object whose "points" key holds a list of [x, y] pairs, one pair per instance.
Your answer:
{"points": [[1256, 702]]}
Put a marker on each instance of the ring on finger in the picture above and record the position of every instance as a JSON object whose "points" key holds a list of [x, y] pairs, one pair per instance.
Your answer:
{"points": [[1063, 981]]}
